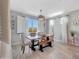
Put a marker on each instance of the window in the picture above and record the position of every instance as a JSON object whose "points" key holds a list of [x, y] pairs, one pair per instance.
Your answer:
{"points": [[32, 23], [23, 24]]}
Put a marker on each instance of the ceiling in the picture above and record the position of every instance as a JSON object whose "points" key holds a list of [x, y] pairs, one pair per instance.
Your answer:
{"points": [[48, 6]]}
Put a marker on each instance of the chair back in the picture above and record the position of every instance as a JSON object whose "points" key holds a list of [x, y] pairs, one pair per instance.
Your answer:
{"points": [[25, 41]]}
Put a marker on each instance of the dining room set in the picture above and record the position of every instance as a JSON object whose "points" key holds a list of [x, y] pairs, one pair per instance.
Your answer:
{"points": [[40, 40]]}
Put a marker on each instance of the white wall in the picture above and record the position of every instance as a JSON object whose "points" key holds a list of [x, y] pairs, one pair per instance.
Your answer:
{"points": [[41, 26], [14, 35], [73, 17], [51, 26]]}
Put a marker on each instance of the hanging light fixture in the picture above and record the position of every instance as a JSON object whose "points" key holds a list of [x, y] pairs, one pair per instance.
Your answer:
{"points": [[41, 17]]}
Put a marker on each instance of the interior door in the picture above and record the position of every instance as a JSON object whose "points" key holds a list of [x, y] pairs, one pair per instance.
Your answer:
{"points": [[57, 30]]}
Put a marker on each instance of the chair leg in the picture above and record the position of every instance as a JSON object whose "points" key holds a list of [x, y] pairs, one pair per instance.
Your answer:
{"points": [[23, 49]]}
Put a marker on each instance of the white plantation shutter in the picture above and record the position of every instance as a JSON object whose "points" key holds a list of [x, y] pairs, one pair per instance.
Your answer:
{"points": [[21, 24]]}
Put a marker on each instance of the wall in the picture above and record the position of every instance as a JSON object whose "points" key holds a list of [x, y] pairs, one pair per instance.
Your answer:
{"points": [[5, 30], [5, 51], [5, 12], [47, 25], [15, 37], [0, 20], [73, 17], [51, 26]]}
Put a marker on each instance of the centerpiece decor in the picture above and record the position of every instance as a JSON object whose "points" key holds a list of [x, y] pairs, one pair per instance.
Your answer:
{"points": [[32, 31]]}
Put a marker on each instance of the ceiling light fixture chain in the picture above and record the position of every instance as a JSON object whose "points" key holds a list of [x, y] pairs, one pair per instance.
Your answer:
{"points": [[40, 11]]}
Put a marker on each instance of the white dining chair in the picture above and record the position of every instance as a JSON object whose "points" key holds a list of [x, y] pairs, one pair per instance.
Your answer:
{"points": [[25, 42]]}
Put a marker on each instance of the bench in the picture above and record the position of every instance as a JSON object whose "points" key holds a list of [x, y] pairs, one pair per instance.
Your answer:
{"points": [[45, 41]]}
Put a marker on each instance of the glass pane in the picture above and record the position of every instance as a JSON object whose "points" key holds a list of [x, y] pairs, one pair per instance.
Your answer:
{"points": [[32, 23]]}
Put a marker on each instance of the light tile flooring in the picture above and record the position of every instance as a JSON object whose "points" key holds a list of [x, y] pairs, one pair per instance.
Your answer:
{"points": [[58, 51]]}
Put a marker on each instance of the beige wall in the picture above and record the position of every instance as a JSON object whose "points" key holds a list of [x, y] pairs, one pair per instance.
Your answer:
{"points": [[5, 37], [5, 21], [0, 27]]}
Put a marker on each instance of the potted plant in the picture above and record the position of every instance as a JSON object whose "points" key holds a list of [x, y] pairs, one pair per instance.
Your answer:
{"points": [[73, 40]]}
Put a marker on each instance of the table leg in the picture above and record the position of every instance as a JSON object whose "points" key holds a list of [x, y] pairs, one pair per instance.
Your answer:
{"points": [[32, 46], [50, 44], [41, 48]]}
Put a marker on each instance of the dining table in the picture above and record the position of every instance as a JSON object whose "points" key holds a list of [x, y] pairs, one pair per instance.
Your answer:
{"points": [[34, 41]]}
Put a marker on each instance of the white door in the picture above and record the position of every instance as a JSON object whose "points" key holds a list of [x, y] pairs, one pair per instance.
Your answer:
{"points": [[60, 29], [57, 30]]}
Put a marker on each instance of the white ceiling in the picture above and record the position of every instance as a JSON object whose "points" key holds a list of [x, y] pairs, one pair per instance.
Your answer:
{"points": [[48, 6]]}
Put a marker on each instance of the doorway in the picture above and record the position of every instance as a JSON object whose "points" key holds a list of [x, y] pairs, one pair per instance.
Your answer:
{"points": [[58, 27]]}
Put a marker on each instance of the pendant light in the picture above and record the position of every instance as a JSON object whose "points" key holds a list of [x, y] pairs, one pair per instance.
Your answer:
{"points": [[41, 17]]}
